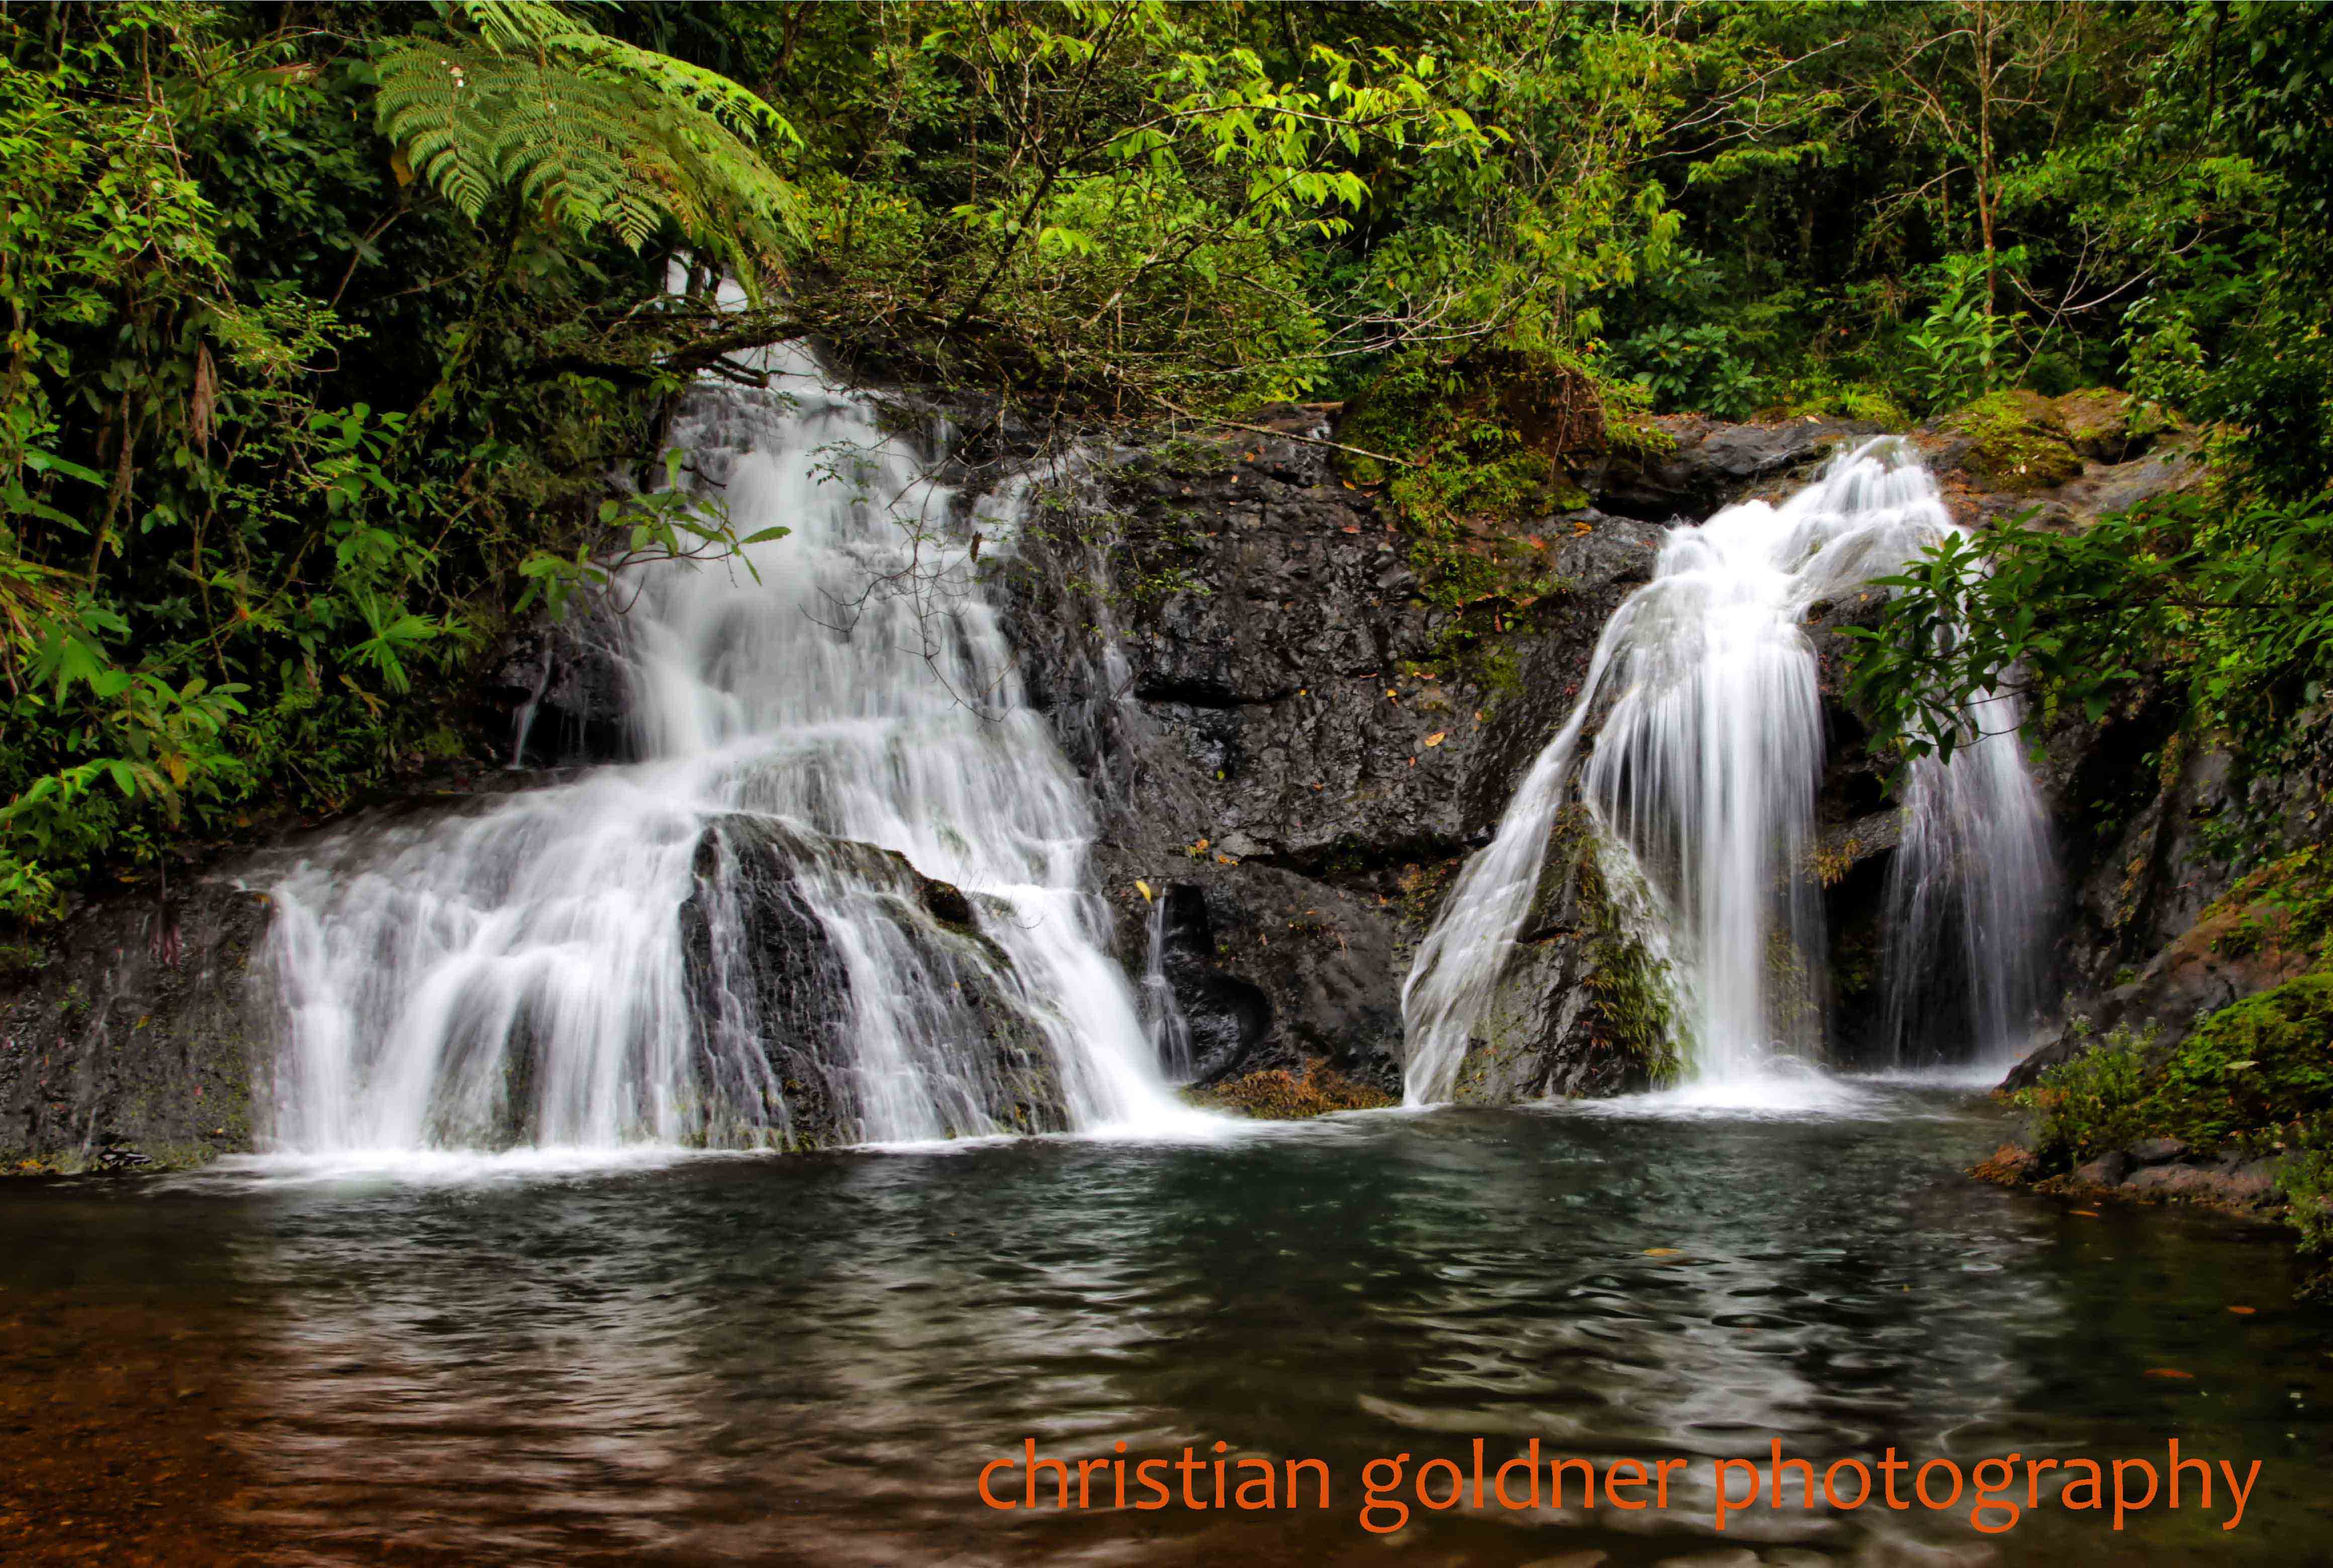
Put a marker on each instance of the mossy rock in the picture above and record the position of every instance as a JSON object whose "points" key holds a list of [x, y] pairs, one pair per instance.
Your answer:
{"points": [[2257, 1064], [2244, 1075], [2017, 443], [2098, 422]]}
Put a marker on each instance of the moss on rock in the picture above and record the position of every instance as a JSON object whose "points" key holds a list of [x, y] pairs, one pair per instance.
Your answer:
{"points": [[2017, 443]]}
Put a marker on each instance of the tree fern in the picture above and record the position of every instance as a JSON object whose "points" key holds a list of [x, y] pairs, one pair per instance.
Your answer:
{"points": [[599, 135]]}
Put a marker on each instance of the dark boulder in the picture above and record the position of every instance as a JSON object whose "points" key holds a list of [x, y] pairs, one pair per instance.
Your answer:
{"points": [[131, 1035], [774, 995], [559, 692], [1694, 465], [1226, 1018]]}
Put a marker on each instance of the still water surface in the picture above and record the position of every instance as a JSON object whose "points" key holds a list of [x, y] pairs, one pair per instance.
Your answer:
{"points": [[809, 1360]]}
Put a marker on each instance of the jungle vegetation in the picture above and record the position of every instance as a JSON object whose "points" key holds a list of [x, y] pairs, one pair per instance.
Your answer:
{"points": [[342, 338]]}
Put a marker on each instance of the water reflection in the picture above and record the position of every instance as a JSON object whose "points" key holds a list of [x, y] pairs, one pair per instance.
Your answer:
{"points": [[807, 1360]]}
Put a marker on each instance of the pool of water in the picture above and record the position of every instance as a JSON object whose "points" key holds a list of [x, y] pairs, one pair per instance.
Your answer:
{"points": [[811, 1359]]}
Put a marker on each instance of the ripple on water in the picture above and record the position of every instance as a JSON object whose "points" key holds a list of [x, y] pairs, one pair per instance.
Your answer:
{"points": [[680, 1358]]}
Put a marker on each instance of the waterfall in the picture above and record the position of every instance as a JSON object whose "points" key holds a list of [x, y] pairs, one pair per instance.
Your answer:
{"points": [[1968, 894], [521, 971], [1703, 768]]}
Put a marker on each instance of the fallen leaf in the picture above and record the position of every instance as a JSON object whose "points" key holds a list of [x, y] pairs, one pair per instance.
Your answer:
{"points": [[1660, 1252], [1355, 528], [2244, 1311], [1143, 888], [2164, 1371], [1437, 737], [2085, 1213]]}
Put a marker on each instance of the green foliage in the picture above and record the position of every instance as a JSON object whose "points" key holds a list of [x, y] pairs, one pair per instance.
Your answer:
{"points": [[1692, 367], [2306, 1179], [593, 131], [2090, 1104], [2256, 1074], [283, 437], [1956, 350], [2229, 597], [327, 325]]}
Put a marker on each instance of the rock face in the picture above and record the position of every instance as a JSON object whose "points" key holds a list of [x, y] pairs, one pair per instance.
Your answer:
{"points": [[1713, 463], [1224, 1018], [132, 1037], [772, 997], [1295, 734], [1282, 724], [2163, 927], [1584, 1008], [559, 693], [1276, 712]]}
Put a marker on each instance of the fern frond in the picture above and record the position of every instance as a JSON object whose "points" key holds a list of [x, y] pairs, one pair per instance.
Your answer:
{"points": [[598, 134]]}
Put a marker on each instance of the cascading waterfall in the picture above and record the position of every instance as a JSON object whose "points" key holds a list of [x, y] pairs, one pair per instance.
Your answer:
{"points": [[520, 970], [1704, 768]]}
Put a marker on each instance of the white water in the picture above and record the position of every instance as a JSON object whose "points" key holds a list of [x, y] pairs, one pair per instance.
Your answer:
{"points": [[519, 972], [1704, 768], [1170, 1031]]}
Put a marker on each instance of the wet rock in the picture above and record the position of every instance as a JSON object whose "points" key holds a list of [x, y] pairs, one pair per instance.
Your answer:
{"points": [[1921, 1555], [1796, 1557], [2238, 947], [561, 693], [1269, 710], [2233, 1185], [771, 994], [1228, 1018], [1582, 1009], [2156, 1151], [1724, 1557], [131, 1035], [2106, 1171], [1291, 971], [1712, 462]]}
